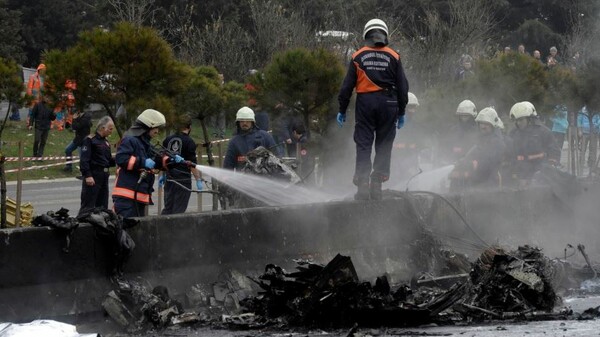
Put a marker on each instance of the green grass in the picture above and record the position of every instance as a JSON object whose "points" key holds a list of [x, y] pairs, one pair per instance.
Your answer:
{"points": [[55, 146]]}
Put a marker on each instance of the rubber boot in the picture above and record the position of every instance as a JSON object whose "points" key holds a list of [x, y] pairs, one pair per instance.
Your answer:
{"points": [[375, 190], [363, 190]]}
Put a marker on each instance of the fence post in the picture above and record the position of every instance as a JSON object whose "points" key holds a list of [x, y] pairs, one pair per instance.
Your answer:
{"points": [[19, 186], [2, 193]]}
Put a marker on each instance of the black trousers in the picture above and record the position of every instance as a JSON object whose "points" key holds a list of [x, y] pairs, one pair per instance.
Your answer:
{"points": [[97, 195], [39, 142], [177, 197], [128, 208], [376, 115]]}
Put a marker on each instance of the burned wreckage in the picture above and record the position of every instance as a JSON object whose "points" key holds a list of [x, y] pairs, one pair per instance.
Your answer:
{"points": [[500, 285]]}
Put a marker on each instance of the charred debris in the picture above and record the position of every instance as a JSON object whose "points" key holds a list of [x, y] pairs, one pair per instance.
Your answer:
{"points": [[500, 285]]}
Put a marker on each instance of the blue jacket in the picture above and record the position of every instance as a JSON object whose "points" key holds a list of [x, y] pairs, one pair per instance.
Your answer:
{"points": [[130, 158], [560, 123], [242, 143]]}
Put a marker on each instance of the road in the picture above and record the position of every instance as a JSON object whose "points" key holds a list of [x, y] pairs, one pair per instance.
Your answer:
{"points": [[52, 194]]}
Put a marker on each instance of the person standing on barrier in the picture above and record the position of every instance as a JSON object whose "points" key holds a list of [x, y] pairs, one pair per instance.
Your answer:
{"points": [[137, 162], [42, 115], [178, 182], [94, 165], [81, 124], [382, 93]]}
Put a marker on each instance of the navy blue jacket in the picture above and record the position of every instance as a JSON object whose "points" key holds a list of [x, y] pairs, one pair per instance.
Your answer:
{"points": [[95, 155], [130, 158], [183, 145], [244, 142], [375, 69]]}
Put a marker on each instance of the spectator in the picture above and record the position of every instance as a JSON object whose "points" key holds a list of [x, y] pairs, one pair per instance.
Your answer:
{"points": [[35, 87], [81, 125], [538, 56], [466, 67], [521, 49], [560, 124], [178, 176], [95, 162], [41, 116], [507, 50], [553, 59]]}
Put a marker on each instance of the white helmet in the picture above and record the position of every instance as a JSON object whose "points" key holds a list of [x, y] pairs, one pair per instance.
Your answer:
{"points": [[489, 115], [375, 24], [412, 99], [531, 106], [522, 109], [152, 118], [245, 114], [466, 107]]}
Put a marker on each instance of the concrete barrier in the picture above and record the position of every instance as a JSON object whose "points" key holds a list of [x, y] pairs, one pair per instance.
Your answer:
{"points": [[39, 280]]}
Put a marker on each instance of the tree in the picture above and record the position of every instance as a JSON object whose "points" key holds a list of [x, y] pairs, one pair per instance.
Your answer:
{"points": [[10, 27], [305, 81], [439, 37], [130, 65], [49, 24], [11, 85]]}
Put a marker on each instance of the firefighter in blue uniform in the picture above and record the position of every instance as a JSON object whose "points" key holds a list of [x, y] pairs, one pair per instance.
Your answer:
{"points": [[177, 196], [248, 138], [532, 144], [137, 163], [95, 162], [382, 93]]}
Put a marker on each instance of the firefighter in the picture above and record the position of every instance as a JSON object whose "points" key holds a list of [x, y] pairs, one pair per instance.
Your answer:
{"points": [[532, 143], [248, 138], [177, 196], [463, 135], [94, 165], [480, 166], [382, 93], [137, 162], [409, 143]]}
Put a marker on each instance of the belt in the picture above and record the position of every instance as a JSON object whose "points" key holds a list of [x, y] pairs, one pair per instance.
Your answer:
{"points": [[100, 169]]}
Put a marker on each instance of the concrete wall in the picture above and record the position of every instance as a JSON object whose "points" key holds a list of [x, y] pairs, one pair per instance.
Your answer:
{"points": [[38, 279]]}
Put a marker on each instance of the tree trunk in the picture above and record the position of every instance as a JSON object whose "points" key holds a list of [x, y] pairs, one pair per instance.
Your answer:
{"points": [[2, 194]]}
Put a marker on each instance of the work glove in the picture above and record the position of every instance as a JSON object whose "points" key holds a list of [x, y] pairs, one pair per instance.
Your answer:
{"points": [[149, 164], [199, 184], [400, 122], [177, 159], [341, 118], [161, 180]]}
